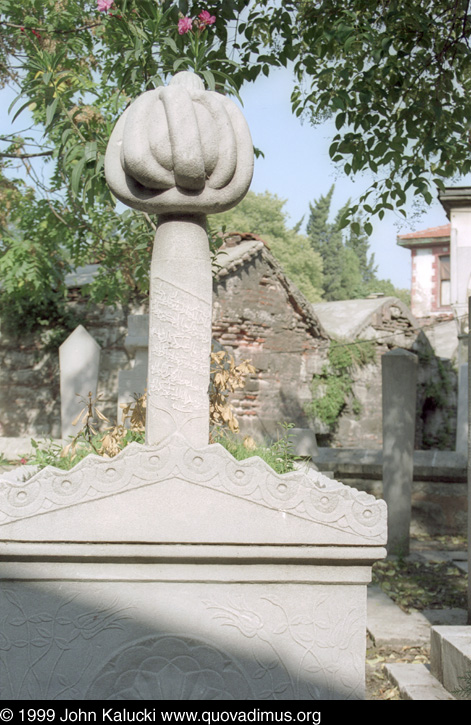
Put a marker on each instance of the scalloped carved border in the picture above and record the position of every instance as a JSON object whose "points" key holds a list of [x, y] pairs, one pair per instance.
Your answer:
{"points": [[306, 495]]}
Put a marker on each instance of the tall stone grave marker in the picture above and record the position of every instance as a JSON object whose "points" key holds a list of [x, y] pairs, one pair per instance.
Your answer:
{"points": [[399, 385], [173, 571], [180, 152], [462, 414]]}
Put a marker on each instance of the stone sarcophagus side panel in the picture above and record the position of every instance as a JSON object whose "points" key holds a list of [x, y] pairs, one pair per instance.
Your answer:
{"points": [[163, 640], [181, 573]]}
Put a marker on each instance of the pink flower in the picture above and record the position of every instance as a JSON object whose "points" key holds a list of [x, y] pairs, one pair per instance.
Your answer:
{"points": [[184, 25], [104, 5], [206, 18]]}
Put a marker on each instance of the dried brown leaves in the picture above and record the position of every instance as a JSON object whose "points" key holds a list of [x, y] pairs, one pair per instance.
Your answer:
{"points": [[133, 417], [226, 377]]}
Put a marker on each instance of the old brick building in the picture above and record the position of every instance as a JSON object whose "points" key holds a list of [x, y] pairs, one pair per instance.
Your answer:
{"points": [[258, 314]]}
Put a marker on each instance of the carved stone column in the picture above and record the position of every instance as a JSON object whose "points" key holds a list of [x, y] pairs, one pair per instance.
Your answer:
{"points": [[180, 152], [180, 332]]}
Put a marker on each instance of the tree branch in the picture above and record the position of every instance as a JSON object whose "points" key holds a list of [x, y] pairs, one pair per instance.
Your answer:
{"points": [[44, 30], [24, 156]]}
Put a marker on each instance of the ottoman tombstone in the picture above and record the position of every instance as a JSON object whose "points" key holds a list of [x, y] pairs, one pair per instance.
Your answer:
{"points": [[173, 571]]}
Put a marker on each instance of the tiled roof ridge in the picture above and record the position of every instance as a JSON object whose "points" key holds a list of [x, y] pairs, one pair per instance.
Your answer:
{"points": [[296, 298], [245, 256], [430, 233]]}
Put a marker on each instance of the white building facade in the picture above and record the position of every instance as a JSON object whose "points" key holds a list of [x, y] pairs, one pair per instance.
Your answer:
{"points": [[441, 260]]}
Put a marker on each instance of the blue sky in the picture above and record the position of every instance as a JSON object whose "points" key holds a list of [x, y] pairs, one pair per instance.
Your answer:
{"points": [[297, 168]]}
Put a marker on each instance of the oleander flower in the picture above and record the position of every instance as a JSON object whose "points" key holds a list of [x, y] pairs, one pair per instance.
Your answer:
{"points": [[184, 25], [206, 18], [104, 5]]}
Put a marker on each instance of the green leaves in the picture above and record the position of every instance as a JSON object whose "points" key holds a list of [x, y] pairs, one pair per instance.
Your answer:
{"points": [[396, 79], [332, 389], [340, 120], [51, 109], [398, 76]]}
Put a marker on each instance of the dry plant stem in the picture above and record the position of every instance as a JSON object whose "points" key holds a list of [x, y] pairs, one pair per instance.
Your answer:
{"points": [[179, 331]]}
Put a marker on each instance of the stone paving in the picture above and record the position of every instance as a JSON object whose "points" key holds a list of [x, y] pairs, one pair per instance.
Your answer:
{"points": [[398, 655]]}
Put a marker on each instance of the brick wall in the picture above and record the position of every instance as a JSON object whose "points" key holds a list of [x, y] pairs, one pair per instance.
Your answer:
{"points": [[258, 316]]}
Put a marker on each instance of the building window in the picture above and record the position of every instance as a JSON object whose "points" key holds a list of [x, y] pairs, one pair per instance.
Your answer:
{"points": [[444, 272]]}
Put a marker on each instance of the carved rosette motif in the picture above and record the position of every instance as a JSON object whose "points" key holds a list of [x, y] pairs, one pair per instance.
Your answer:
{"points": [[307, 495], [171, 667]]}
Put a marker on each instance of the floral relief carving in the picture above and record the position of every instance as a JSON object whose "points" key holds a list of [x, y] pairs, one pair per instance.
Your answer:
{"points": [[36, 642], [171, 667], [272, 678], [328, 642]]}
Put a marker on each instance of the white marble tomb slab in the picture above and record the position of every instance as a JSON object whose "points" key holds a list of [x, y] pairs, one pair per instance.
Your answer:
{"points": [[175, 573]]}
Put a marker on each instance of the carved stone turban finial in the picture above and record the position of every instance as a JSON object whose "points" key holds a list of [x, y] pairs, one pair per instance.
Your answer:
{"points": [[180, 149]]}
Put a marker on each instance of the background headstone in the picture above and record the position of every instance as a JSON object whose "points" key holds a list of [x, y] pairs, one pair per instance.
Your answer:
{"points": [[79, 359], [462, 417], [399, 379]]}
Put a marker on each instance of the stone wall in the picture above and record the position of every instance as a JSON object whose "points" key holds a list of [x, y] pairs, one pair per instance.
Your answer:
{"points": [[29, 372], [29, 388], [259, 316], [437, 387]]}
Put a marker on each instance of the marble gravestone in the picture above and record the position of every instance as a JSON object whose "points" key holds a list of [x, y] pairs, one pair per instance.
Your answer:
{"points": [[79, 360], [173, 571]]}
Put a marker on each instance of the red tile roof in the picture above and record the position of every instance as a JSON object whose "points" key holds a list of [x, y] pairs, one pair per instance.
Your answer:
{"points": [[430, 233]]}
